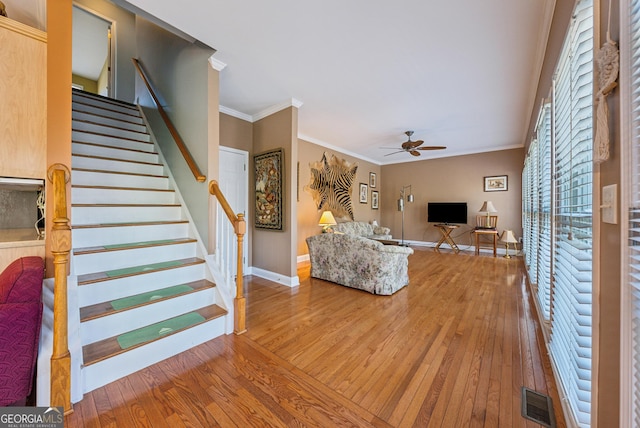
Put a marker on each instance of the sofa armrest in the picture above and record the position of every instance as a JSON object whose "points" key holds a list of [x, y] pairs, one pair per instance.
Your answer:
{"points": [[396, 249]]}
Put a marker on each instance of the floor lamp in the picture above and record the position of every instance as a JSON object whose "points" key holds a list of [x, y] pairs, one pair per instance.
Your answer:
{"points": [[401, 207]]}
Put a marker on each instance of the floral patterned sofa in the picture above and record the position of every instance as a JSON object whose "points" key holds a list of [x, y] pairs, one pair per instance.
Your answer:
{"points": [[361, 228], [358, 262]]}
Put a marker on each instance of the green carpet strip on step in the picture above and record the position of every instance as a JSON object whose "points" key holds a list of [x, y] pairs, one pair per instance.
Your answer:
{"points": [[137, 244], [139, 299], [154, 331], [140, 269]]}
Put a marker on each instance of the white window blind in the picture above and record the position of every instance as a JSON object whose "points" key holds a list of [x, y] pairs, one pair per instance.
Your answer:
{"points": [[630, 72], [571, 327], [543, 132], [531, 213]]}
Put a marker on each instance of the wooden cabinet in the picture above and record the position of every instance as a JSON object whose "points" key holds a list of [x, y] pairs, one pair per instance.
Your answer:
{"points": [[23, 121]]}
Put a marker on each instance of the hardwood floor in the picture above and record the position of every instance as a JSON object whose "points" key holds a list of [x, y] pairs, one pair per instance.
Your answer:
{"points": [[452, 349]]}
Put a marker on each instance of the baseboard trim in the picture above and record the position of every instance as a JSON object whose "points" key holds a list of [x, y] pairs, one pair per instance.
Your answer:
{"points": [[303, 258], [289, 281]]}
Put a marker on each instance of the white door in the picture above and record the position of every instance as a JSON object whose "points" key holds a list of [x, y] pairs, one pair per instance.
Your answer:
{"points": [[234, 183]]}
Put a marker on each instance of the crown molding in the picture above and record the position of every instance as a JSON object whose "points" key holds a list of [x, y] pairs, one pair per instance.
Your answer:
{"points": [[337, 149], [235, 113], [217, 64], [276, 108]]}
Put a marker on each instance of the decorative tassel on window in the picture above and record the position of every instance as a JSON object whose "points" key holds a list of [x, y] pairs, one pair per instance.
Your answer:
{"points": [[608, 62]]}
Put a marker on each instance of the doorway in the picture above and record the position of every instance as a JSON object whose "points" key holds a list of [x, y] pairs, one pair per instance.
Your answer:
{"points": [[92, 52]]}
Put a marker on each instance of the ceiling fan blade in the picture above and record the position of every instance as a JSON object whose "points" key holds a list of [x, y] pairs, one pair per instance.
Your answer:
{"points": [[431, 148], [389, 154], [414, 153]]}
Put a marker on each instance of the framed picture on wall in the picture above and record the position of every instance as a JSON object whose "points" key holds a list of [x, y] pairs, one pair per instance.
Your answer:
{"points": [[374, 199], [372, 180], [495, 183], [364, 193], [269, 195]]}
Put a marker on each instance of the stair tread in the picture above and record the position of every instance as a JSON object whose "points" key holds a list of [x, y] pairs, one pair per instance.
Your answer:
{"points": [[90, 278], [88, 143], [104, 125], [117, 119], [143, 189], [101, 350], [108, 100], [118, 137], [106, 171], [131, 245], [131, 113], [116, 159], [127, 224], [106, 308]]}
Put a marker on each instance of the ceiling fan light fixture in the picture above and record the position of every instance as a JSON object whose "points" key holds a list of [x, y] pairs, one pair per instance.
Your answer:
{"points": [[412, 147]]}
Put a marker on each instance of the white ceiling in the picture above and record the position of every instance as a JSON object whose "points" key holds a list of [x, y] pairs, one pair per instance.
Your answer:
{"points": [[462, 74]]}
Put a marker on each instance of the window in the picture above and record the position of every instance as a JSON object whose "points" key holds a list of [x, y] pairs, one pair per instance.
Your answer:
{"points": [[557, 214]]}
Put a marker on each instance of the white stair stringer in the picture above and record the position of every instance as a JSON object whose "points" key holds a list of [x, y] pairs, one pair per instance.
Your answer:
{"points": [[131, 235]]}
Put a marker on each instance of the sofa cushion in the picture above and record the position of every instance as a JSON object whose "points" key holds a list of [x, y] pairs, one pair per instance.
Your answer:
{"points": [[18, 279], [361, 228]]}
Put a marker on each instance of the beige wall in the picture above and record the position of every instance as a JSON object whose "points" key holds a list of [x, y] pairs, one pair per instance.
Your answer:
{"points": [[454, 179], [180, 72], [308, 214], [274, 251], [87, 84]]}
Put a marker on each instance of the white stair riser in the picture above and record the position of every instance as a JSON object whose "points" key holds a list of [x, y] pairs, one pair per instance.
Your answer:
{"points": [[116, 165], [96, 236], [92, 195], [77, 125], [110, 260], [93, 178], [106, 371], [105, 291], [108, 121], [124, 321], [129, 117], [114, 153], [94, 215], [104, 104], [79, 136]]}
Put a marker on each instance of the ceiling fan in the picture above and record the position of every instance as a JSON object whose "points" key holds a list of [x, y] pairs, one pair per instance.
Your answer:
{"points": [[413, 146]]}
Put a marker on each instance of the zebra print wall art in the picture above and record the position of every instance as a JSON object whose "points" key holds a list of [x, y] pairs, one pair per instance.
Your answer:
{"points": [[269, 182], [330, 185]]}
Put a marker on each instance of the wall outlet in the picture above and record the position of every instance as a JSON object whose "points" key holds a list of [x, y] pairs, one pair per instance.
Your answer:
{"points": [[609, 204]]}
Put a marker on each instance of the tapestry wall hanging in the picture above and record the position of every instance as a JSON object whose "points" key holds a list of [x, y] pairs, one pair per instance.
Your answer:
{"points": [[330, 185], [269, 183]]}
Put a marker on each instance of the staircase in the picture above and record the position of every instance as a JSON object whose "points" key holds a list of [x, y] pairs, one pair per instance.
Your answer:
{"points": [[144, 291]]}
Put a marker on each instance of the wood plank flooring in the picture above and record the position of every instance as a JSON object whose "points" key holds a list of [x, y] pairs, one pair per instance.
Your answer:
{"points": [[452, 349]]}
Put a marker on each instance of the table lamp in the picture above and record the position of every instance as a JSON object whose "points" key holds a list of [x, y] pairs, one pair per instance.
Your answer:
{"points": [[487, 207], [326, 221], [508, 238]]}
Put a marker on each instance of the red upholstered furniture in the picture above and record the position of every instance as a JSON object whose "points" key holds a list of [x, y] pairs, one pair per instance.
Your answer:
{"points": [[20, 318]]}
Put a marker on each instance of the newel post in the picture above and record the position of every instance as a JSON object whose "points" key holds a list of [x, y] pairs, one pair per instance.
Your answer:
{"points": [[59, 176], [240, 227]]}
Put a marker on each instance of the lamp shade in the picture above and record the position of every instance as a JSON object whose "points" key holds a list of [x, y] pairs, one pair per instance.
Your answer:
{"points": [[508, 237], [487, 207], [327, 219]]}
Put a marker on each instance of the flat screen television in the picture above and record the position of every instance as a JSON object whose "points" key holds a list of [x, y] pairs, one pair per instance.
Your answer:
{"points": [[447, 212]]}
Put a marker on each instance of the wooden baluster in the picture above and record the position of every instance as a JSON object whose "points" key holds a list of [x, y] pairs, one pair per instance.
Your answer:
{"points": [[59, 175]]}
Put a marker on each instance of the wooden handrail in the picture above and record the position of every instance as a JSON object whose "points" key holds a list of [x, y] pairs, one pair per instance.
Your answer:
{"points": [[239, 228], [172, 129], [59, 176]]}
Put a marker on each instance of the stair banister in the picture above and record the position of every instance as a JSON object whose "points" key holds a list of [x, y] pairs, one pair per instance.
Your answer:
{"points": [[59, 176], [240, 228], [172, 129]]}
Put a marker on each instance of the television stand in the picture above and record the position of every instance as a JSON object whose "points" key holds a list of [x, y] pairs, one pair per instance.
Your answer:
{"points": [[446, 229]]}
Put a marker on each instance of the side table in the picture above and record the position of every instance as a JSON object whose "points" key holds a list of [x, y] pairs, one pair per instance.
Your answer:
{"points": [[445, 230]]}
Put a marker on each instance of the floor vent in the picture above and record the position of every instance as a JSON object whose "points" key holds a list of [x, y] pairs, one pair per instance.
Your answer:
{"points": [[537, 407]]}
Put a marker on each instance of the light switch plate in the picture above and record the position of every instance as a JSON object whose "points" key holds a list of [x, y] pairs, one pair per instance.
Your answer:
{"points": [[609, 204]]}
